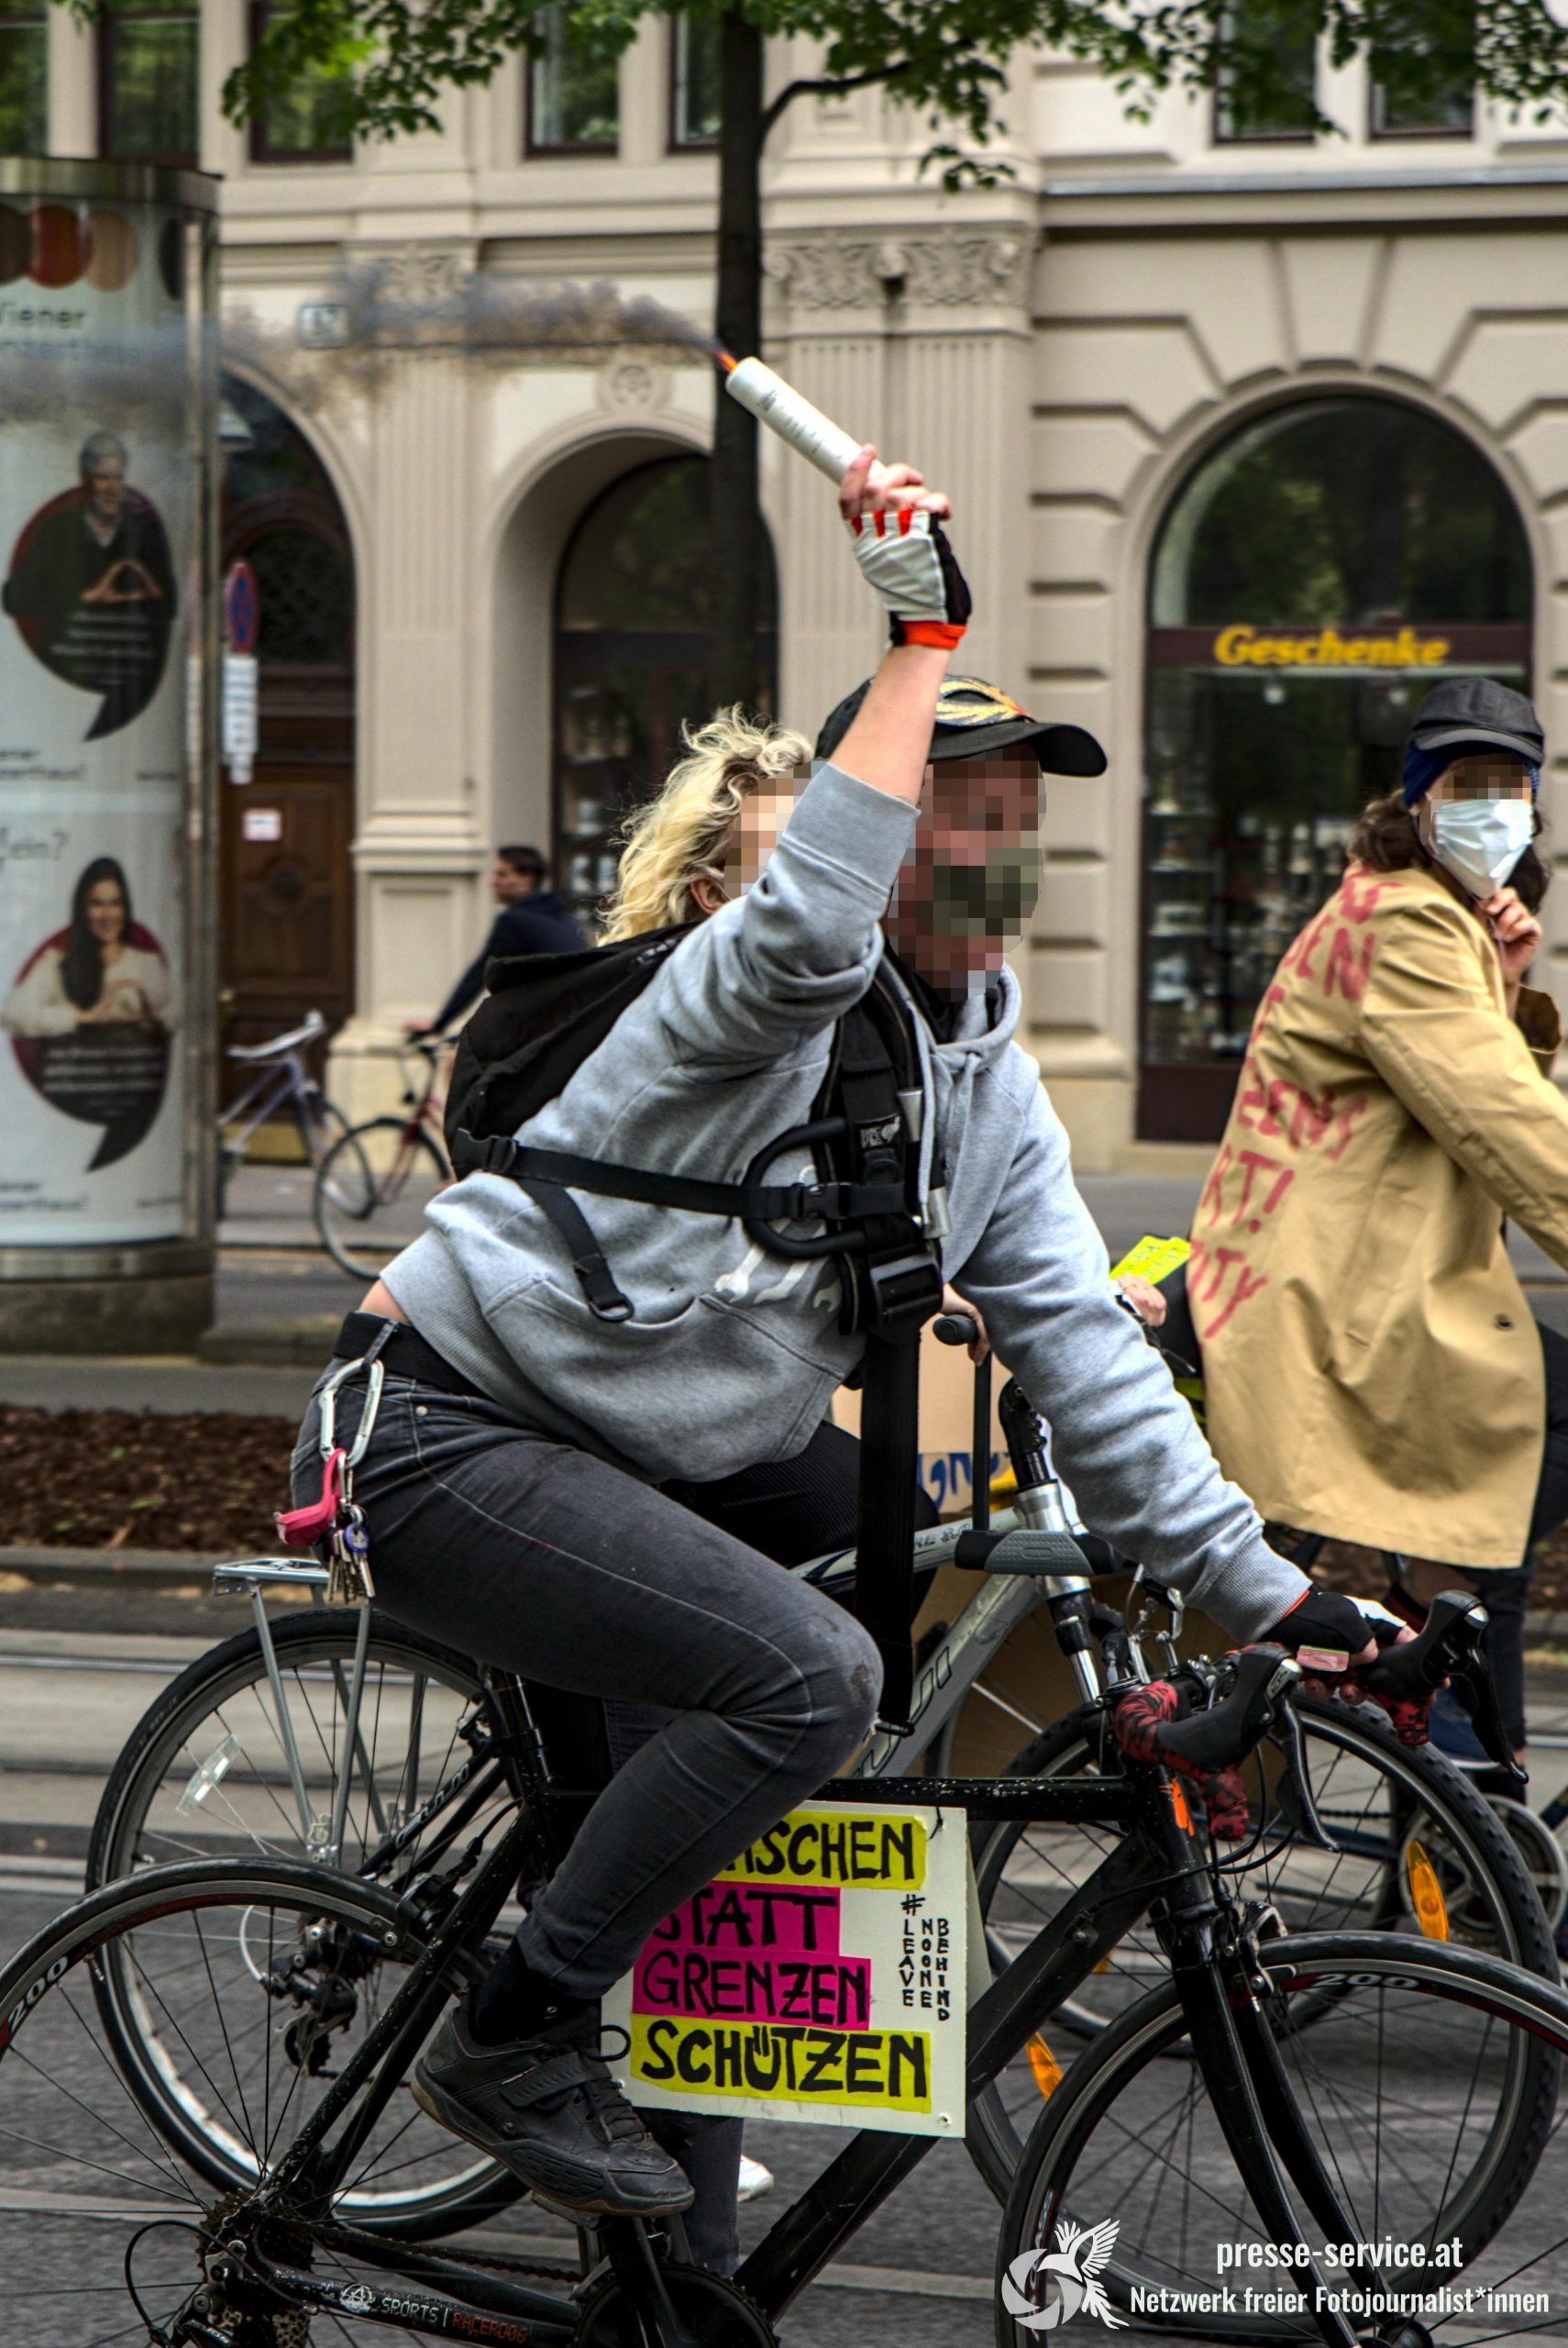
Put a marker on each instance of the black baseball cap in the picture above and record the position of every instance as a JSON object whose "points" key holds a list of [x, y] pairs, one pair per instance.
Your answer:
{"points": [[1475, 711], [972, 719]]}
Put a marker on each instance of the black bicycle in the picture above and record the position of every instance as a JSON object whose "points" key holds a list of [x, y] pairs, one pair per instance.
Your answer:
{"points": [[203, 2090]]}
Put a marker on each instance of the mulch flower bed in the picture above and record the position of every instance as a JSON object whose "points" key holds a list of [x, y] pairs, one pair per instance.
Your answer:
{"points": [[140, 1479]]}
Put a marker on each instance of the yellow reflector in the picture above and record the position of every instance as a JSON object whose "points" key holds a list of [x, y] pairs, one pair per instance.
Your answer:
{"points": [[1426, 1894], [1046, 2069]]}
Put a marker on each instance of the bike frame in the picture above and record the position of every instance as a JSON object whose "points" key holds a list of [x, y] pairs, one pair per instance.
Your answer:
{"points": [[279, 1081], [1160, 1864]]}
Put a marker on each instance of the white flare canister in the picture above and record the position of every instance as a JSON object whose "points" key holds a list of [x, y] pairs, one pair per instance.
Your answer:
{"points": [[782, 408]]}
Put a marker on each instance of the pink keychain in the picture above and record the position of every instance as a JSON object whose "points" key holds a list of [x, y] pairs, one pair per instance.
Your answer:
{"points": [[302, 1526]]}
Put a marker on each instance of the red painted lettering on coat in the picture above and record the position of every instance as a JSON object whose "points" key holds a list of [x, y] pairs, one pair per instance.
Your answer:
{"points": [[1299, 957], [1246, 1286], [1215, 1185], [1351, 970], [1257, 1163], [1360, 893]]}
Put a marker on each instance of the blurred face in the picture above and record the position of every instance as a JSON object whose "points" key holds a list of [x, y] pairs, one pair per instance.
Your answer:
{"points": [[762, 817], [105, 911], [970, 885], [1489, 774], [507, 884], [106, 488]]}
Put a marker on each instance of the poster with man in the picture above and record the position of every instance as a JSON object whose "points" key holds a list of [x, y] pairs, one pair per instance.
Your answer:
{"points": [[99, 476], [91, 586]]}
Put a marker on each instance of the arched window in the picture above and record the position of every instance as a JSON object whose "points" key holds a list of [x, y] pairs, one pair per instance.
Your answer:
{"points": [[1313, 578], [632, 657]]}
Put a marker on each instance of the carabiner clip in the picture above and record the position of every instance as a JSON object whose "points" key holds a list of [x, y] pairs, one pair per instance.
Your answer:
{"points": [[375, 1376]]}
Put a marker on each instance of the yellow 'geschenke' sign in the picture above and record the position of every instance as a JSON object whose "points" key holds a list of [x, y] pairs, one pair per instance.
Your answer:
{"points": [[823, 1975], [1326, 648]]}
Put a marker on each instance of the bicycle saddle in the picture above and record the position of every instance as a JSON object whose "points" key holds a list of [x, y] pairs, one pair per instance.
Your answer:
{"points": [[311, 1026]]}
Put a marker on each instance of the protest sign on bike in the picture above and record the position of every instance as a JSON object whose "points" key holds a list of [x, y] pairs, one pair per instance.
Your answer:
{"points": [[821, 1977]]}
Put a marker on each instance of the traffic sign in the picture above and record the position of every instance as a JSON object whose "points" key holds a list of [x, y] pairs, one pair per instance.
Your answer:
{"points": [[241, 608]]}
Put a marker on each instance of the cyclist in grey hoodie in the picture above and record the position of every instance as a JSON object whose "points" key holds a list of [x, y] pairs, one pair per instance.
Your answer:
{"points": [[510, 1483]]}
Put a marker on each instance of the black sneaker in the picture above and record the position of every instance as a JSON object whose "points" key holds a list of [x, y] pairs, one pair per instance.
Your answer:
{"points": [[548, 2110]]}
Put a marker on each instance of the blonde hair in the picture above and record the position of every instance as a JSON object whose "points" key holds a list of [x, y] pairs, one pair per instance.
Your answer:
{"points": [[685, 832]]}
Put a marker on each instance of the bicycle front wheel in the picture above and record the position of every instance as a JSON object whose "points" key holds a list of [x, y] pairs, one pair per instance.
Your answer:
{"points": [[1424, 2090], [1416, 1848], [371, 1190]]}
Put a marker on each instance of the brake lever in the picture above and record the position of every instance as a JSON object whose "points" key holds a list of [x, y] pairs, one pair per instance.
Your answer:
{"points": [[1287, 1728], [1449, 1647]]}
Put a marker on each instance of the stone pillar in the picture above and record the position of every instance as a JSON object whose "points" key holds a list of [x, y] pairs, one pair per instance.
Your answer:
{"points": [[421, 841]]}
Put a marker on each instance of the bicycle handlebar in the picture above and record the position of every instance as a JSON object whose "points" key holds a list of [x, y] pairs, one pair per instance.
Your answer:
{"points": [[1448, 1646], [1227, 1731]]}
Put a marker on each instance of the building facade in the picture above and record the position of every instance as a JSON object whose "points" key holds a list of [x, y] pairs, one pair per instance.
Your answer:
{"points": [[1253, 435]]}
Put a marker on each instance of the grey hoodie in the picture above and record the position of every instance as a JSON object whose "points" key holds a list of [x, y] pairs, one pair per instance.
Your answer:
{"points": [[732, 1356]]}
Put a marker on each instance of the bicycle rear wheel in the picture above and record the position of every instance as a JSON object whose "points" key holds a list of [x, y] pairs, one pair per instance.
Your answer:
{"points": [[371, 1190], [1428, 2088], [206, 1772], [1418, 1849]]}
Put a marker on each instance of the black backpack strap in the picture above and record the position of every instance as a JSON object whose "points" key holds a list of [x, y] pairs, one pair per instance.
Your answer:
{"points": [[884, 1563], [749, 1200]]}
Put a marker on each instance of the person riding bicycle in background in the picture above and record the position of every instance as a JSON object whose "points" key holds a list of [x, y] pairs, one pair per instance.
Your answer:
{"points": [[531, 920], [510, 1481], [1372, 1369]]}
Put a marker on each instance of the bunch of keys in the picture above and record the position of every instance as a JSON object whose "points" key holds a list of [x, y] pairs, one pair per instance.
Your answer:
{"points": [[336, 1521]]}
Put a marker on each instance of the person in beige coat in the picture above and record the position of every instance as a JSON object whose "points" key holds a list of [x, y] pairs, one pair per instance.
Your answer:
{"points": [[1373, 1371]]}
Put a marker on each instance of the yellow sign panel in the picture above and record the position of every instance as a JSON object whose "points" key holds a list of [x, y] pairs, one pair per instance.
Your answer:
{"points": [[848, 1846], [1326, 648], [871, 2070], [1153, 1259]]}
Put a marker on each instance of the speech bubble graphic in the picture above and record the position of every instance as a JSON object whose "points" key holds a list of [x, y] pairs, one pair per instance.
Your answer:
{"points": [[90, 587], [93, 1039]]}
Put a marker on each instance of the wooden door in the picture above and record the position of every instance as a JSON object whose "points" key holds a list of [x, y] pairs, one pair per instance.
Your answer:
{"points": [[287, 945]]}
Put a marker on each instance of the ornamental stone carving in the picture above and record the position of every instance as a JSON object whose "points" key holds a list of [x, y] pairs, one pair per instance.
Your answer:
{"points": [[634, 387], [947, 269], [417, 274]]}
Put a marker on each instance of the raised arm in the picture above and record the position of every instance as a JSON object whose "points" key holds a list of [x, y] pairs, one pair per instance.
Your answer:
{"points": [[798, 951]]}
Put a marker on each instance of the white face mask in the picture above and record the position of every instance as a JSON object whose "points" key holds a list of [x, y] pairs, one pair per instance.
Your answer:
{"points": [[1480, 840]]}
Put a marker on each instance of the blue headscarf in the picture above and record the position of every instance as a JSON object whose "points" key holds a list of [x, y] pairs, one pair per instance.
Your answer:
{"points": [[1423, 768]]}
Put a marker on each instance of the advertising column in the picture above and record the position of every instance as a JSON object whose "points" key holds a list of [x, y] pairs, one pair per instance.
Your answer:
{"points": [[107, 408]]}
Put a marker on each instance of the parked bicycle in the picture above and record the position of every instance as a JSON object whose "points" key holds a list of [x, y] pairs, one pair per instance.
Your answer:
{"points": [[336, 1736], [372, 1187], [281, 1080], [203, 2086]]}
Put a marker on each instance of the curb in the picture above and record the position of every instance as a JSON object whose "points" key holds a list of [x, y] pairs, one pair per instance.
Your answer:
{"points": [[271, 1344], [107, 1568]]}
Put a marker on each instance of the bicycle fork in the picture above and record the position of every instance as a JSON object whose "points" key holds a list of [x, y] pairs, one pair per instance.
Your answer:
{"points": [[1221, 1990]]}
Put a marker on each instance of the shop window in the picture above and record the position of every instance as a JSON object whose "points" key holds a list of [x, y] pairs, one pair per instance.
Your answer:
{"points": [[632, 615], [304, 124], [1275, 27], [574, 99], [24, 77], [1314, 578], [694, 90], [147, 82]]}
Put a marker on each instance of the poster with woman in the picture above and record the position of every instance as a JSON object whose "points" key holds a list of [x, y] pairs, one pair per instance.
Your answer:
{"points": [[100, 410], [92, 1015], [92, 1012]]}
